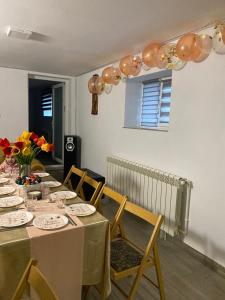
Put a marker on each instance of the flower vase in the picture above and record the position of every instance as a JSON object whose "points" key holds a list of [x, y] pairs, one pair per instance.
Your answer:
{"points": [[25, 170]]}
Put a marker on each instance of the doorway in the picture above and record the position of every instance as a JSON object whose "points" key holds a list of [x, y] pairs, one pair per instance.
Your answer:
{"points": [[46, 116]]}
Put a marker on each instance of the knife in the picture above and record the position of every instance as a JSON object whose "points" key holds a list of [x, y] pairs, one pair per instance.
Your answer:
{"points": [[70, 219]]}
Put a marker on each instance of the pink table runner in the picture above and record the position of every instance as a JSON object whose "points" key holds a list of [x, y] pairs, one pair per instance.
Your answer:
{"points": [[59, 254]]}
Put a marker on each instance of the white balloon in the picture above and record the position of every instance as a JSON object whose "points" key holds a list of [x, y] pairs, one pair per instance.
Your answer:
{"points": [[146, 68], [107, 88], [176, 63], [218, 44]]}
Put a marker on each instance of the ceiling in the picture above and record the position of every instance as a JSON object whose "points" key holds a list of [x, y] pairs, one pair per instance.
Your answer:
{"points": [[76, 36]]}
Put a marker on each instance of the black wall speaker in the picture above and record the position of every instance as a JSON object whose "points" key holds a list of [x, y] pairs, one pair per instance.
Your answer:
{"points": [[72, 152]]}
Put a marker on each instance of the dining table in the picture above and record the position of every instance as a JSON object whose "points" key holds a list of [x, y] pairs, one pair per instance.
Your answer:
{"points": [[70, 257]]}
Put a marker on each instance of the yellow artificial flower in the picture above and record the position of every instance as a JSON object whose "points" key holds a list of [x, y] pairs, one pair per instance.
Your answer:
{"points": [[45, 147], [26, 135], [27, 151]]}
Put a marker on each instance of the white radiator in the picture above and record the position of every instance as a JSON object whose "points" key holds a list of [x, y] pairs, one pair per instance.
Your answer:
{"points": [[158, 191]]}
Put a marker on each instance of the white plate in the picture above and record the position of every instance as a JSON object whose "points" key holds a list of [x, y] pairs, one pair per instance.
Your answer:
{"points": [[15, 218], [10, 201], [67, 194], [50, 221], [41, 174], [6, 190], [80, 209], [51, 184], [3, 180]]}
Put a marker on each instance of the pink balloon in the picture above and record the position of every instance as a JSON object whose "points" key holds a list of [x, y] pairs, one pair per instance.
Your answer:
{"points": [[206, 47], [111, 75], [223, 34], [149, 54], [189, 47], [130, 65]]}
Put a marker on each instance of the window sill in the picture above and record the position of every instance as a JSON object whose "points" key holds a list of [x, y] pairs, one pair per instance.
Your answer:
{"points": [[165, 129]]}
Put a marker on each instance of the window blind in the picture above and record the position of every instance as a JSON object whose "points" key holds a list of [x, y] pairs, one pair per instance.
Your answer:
{"points": [[46, 105], [155, 111]]}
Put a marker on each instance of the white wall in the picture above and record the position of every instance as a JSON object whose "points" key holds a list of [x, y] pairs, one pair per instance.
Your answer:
{"points": [[14, 102], [194, 146]]}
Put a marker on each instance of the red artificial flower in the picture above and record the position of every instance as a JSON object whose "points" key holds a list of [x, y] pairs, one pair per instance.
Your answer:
{"points": [[51, 147], [19, 145], [4, 143], [41, 141], [7, 151], [34, 137]]}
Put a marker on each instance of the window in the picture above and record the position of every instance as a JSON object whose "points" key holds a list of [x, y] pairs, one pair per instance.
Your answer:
{"points": [[155, 110], [46, 105], [147, 102]]}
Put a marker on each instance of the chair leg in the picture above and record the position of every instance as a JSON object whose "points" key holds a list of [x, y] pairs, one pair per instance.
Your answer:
{"points": [[159, 273], [135, 284]]}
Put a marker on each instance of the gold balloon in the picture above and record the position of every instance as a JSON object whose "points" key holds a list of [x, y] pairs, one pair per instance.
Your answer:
{"points": [[206, 47], [189, 47], [111, 75], [149, 54], [162, 57], [130, 65]]}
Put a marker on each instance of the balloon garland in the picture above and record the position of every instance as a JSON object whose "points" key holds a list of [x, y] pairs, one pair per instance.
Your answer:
{"points": [[190, 47]]}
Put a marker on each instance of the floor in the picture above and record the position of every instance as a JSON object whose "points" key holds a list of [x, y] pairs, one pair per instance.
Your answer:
{"points": [[186, 274]]}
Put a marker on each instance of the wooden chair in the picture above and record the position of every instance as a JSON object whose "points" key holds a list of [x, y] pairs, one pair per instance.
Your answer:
{"points": [[80, 173], [128, 259], [33, 277], [94, 184], [119, 199]]}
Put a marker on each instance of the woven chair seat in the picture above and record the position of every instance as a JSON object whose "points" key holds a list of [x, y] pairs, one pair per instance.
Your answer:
{"points": [[124, 256]]}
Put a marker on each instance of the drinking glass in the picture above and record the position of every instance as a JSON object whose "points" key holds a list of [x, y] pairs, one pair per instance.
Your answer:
{"points": [[31, 203], [61, 201]]}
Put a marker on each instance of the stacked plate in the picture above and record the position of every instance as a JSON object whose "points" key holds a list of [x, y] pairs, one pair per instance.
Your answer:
{"points": [[15, 218], [50, 221], [80, 209], [7, 190], [64, 194], [10, 201]]}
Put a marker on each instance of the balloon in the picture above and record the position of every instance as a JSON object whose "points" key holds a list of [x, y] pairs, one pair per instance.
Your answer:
{"points": [[130, 65], [189, 47], [218, 44], [146, 68], [107, 88], [176, 63], [149, 54], [206, 47], [162, 57], [99, 85], [111, 75], [91, 84], [223, 34]]}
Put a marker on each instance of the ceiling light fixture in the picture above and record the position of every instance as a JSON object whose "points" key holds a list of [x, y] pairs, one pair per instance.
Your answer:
{"points": [[18, 33]]}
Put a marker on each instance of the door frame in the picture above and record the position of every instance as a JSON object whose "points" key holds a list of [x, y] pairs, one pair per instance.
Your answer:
{"points": [[61, 84], [69, 106]]}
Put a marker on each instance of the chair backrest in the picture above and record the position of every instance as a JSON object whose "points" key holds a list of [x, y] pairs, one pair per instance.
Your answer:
{"points": [[36, 279], [94, 184], [151, 218], [73, 170], [119, 199]]}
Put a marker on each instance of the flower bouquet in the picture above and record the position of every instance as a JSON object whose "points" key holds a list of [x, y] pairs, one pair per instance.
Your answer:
{"points": [[25, 149]]}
